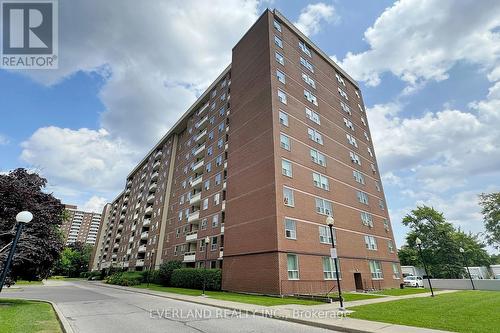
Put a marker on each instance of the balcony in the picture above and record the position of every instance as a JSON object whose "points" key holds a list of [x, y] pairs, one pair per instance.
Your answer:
{"points": [[146, 222], [221, 254], [149, 210], [122, 217], [141, 249], [197, 181], [189, 256], [224, 186], [201, 136], [153, 187], [158, 154], [198, 165], [195, 198], [114, 255], [129, 251], [144, 235], [222, 228], [118, 236], [127, 191], [193, 217], [133, 227], [124, 208], [203, 108], [131, 239], [155, 175], [223, 208], [150, 198], [137, 205], [139, 263], [125, 200], [225, 165], [120, 226], [198, 151], [202, 123], [125, 264], [226, 147], [116, 246], [156, 165], [192, 236]]}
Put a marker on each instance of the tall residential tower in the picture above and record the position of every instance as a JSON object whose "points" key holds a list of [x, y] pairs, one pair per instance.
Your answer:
{"points": [[276, 144]]}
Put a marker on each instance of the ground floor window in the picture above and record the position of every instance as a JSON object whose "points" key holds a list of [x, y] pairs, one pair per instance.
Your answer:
{"points": [[376, 269], [329, 268], [395, 271], [293, 266]]}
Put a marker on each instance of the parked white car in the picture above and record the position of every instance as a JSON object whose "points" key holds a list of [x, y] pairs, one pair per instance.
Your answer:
{"points": [[413, 281]]}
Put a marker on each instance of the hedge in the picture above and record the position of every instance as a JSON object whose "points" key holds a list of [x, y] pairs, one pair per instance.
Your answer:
{"points": [[126, 278], [193, 278], [166, 270]]}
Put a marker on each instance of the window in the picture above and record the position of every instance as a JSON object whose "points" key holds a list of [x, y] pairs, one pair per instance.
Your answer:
{"points": [[214, 93], [223, 97], [370, 152], [395, 271], [376, 269], [348, 124], [329, 268], [381, 204], [282, 96], [320, 181], [277, 26], [203, 225], [221, 127], [318, 157], [290, 229], [180, 215], [372, 166], [324, 235], [209, 167], [281, 76], [292, 266], [213, 244], [343, 93], [205, 204], [283, 118], [340, 79], [363, 121], [218, 160], [323, 206], [218, 178], [216, 199], [345, 108], [304, 48], [220, 143], [215, 221], [386, 224], [210, 151], [286, 168], [366, 136], [360, 108], [357, 93], [284, 141], [370, 242], [367, 219], [315, 135], [358, 176], [313, 116], [278, 42], [279, 58], [362, 197], [351, 140], [222, 111], [310, 97], [211, 135], [288, 199], [377, 186], [354, 158], [390, 246], [307, 79], [307, 64]]}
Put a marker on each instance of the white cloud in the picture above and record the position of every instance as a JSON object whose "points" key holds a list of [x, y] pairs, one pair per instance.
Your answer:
{"points": [[422, 40], [94, 204], [3, 140], [311, 17]]}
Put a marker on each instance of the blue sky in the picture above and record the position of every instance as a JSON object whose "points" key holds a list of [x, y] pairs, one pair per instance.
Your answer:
{"points": [[429, 72]]}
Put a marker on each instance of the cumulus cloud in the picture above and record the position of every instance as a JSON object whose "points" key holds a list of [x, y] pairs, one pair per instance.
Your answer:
{"points": [[3, 140], [313, 15], [421, 40], [154, 60], [94, 204]]}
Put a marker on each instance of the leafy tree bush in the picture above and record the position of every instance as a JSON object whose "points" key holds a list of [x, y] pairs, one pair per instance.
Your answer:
{"points": [[74, 260], [193, 278], [166, 270], [41, 241], [125, 278]]}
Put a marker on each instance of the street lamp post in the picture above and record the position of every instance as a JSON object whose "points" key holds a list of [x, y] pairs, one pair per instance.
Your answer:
{"points": [[419, 244], [330, 221], [151, 264], [467, 266], [207, 240], [21, 218]]}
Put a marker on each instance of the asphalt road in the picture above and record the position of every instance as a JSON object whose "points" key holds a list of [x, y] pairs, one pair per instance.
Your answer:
{"points": [[90, 308]]}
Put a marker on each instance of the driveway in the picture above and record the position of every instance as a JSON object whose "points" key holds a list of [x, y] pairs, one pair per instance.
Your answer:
{"points": [[90, 308]]}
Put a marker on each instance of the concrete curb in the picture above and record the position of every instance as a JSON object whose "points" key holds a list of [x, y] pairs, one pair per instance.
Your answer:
{"points": [[63, 322], [259, 313]]}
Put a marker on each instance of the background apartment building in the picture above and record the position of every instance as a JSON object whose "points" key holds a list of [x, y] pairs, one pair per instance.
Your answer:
{"points": [[80, 226], [277, 143]]}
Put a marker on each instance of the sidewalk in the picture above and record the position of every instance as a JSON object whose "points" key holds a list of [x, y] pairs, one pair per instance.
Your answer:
{"points": [[324, 315]]}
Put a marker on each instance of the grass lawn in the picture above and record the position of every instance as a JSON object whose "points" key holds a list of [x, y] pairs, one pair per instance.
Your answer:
{"points": [[19, 316], [349, 297], [234, 297], [24, 283], [402, 292], [462, 311]]}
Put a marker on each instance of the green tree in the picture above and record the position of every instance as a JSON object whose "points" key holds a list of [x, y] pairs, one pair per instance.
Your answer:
{"points": [[166, 270], [440, 244], [74, 260], [491, 212], [41, 240]]}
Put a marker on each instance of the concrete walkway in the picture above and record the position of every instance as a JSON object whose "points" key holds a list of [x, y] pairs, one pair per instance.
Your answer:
{"points": [[393, 298], [324, 315]]}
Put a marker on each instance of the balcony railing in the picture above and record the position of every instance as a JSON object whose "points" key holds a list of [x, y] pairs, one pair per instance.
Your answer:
{"points": [[198, 151], [202, 123], [144, 235], [198, 165], [149, 210], [201, 135], [141, 249], [195, 198], [197, 181], [155, 175], [139, 262], [193, 217], [156, 165], [158, 154], [190, 256], [150, 198], [153, 187], [192, 236]]}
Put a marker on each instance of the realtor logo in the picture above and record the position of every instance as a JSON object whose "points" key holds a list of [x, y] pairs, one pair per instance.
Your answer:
{"points": [[29, 34]]}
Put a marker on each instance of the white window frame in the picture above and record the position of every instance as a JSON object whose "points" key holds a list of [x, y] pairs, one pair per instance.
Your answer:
{"points": [[371, 243], [313, 116], [277, 25], [376, 269], [286, 168], [280, 76], [285, 145], [324, 235], [278, 42], [323, 207], [366, 219], [307, 79], [315, 136], [304, 48], [330, 274], [318, 157], [307, 64], [310, 97], [282, 96], [320, 181], [283, 117], [290, 229], [362, 197], [288, 197], [293, 274], [280, 59]]}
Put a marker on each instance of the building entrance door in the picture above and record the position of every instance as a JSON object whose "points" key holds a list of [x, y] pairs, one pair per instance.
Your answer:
{"points": [[358, 281]]}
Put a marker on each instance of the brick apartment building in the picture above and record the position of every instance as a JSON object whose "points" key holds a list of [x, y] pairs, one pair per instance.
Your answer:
{"points": [[277, 143], [80, 226]]}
